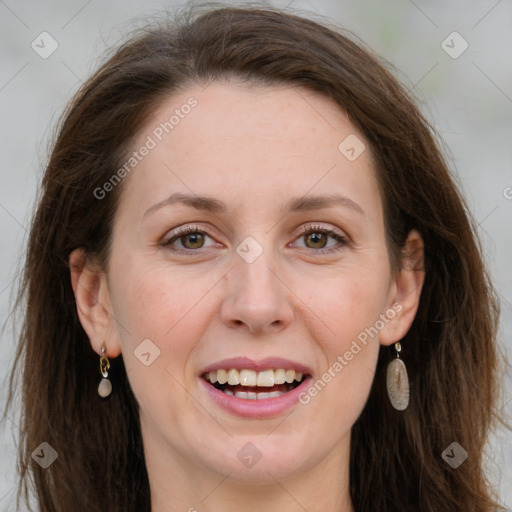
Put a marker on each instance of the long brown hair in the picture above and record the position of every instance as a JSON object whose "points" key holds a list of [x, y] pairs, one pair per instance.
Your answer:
{"points": [[450, 351]]}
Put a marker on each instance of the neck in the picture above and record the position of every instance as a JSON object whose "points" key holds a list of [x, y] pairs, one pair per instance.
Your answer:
{"points": [[179, 485]]}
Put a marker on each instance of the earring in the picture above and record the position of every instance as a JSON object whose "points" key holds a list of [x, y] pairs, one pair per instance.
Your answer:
{"points": [[397, 382], [105, 386]]}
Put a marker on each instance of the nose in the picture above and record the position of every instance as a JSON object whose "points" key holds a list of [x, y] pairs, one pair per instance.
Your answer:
{"points": [[257, 298]]}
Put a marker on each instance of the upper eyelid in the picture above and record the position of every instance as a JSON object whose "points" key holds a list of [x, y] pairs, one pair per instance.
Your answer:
{"points": [[311, 227], [304, 228]]}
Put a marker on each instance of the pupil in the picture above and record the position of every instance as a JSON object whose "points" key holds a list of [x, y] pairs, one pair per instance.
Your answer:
{"points": [[318, 238], [194, 238]]}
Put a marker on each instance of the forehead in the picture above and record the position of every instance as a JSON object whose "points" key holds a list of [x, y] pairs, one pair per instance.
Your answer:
{"points": [[250, 145]]}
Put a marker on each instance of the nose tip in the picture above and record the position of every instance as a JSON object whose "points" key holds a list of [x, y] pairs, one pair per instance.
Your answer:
{"points": [[256, 299]]}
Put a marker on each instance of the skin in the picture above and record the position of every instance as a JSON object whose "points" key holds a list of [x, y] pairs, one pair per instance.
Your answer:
{"points": [[253, 148]]}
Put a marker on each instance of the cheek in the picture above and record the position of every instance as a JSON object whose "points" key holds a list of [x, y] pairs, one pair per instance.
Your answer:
{"points": [[347, 306], [162, 306], [154, 298], [346, 313]]}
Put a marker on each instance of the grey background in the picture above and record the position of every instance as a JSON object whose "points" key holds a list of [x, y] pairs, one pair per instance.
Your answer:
{"points": [[468, 99]]}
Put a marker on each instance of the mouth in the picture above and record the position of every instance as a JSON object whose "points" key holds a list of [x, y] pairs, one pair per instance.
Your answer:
{"points": [[249, 384], [255, 389]]}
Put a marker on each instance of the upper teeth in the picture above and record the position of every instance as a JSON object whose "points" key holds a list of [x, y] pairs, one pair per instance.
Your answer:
{"points": [[266, 378]]}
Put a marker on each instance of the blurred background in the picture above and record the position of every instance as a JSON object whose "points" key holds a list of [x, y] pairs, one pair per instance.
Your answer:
{"points": [[455, 57]]}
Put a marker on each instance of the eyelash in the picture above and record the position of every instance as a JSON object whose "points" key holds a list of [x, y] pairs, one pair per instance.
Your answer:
{"points": [[342, 240]]}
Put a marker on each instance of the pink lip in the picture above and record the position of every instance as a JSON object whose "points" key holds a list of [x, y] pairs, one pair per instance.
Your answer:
{"points": [[269, 363], [257, 409]]}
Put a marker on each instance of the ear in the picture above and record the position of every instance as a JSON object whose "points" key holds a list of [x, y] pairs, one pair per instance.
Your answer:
{"points": [[405, 291], [93, 304]]}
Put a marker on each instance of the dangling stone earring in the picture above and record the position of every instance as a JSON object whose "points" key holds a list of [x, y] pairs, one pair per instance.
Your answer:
{"points": [[397, 382], [105, 386]]}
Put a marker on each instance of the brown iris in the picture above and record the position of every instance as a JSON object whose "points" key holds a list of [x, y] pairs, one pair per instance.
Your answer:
{"points": [[318, 239], [193, 240]]}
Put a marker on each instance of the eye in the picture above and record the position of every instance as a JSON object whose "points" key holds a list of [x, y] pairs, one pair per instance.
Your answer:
{"points": [[189, 237], [317, 238], [192, 238]]}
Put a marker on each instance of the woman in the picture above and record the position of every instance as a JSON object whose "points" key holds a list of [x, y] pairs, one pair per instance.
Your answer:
{"points": [[252, 283]]}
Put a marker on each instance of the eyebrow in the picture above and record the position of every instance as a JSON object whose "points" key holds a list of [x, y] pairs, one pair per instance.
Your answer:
{"points": [[295, 204]]}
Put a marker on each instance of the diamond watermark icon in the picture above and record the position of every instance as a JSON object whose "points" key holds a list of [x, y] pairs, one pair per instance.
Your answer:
{"points": [[454, 455], [249, 455], [44, 45], [147, 352], [249, 249], [352, 147], [44, 455], [454, 45]]}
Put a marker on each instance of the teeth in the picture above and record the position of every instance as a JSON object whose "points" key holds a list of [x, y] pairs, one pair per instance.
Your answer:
{"points": [[279, 376], [255, 396], [266, 378], [250, 378], [233, 377], [290, 376], [222, 376]]}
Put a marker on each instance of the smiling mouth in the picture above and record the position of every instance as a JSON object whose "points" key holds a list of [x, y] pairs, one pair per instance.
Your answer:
{"points": [[252, 385]]}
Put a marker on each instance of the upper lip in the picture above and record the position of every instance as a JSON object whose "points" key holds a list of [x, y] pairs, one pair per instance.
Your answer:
{"points": [[268, 363]]}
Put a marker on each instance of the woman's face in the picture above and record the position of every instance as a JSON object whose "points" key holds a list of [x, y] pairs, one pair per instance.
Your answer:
{"points": [[284, 269]]}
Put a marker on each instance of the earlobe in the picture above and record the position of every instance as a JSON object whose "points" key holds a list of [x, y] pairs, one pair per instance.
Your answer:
{"points": [[406, 290], [93, 302]]}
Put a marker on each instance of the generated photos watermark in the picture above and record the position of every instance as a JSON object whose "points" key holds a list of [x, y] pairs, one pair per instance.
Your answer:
{"points": [[152, 141], [354, 349]]}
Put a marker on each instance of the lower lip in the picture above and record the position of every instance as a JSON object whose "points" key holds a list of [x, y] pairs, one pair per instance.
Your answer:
{"points": [[264, 408]]}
